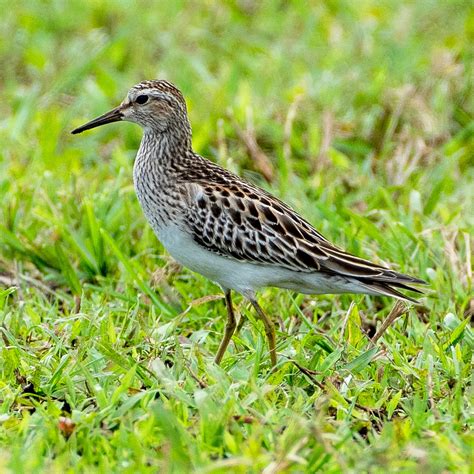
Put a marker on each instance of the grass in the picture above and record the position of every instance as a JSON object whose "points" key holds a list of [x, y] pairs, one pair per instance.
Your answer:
{"points": [[357, 114]]}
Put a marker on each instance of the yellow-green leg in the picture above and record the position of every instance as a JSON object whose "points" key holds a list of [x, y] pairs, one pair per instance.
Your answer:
{"points": [[269, 330], [229, 328]]}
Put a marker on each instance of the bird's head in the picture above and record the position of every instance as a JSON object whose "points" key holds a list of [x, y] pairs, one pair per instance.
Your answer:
{"points": [[157, 106]]}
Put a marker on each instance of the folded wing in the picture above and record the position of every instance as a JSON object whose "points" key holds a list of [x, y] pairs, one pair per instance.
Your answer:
{"points": [[246, 223]]}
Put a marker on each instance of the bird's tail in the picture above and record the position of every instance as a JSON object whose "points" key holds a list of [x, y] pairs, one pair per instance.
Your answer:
{"points": [[388, 285]]}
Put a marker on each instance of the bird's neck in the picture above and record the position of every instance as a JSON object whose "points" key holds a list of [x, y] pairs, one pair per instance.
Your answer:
{"points": [[160, 162], [163, 150]]}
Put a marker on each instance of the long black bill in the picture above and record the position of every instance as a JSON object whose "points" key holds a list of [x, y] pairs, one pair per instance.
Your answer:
{"points": [[114, 115]]}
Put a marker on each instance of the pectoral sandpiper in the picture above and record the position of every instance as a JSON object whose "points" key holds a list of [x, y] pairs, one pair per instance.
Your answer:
{"points": [[229, 230]]}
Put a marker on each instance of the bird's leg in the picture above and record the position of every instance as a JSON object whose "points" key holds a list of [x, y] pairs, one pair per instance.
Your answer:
{"points": [[269, 330], [229, 328]]}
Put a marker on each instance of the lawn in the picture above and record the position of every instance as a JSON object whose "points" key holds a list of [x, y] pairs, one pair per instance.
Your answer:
{"points": [[360, 116]]}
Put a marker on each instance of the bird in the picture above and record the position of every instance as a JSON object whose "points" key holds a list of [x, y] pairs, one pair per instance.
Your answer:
{"points": [[231, 231]]}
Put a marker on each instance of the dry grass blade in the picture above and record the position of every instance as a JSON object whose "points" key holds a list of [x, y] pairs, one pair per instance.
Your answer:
{"points": [[467, 243], [290, 118], [199, 381], [322, 159], [249, 138], [399, 309]]}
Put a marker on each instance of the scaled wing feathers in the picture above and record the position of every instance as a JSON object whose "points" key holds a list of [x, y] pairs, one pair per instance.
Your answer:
{"points": [[248, 224]]}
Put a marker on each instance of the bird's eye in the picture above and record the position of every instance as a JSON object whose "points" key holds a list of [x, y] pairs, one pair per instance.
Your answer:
{"points": [[141, 99]]}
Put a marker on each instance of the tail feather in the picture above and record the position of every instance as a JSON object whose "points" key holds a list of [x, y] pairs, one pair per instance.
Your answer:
{"points": [[376, 279], [385, 289], [405, 287], [402, 278], [390, 281]]}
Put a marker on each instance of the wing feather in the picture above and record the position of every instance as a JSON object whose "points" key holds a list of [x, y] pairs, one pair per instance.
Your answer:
{"points": [[248, 224]]}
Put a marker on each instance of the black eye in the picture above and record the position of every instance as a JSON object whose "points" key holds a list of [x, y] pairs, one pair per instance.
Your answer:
{"points": [[141, 99]]}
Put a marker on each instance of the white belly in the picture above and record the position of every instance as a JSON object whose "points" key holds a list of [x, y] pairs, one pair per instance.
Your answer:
{"points": [[228, 273], [246, 278]]}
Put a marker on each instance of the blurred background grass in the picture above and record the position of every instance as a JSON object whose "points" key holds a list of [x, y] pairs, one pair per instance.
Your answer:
{"points": [[359, 114]]}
